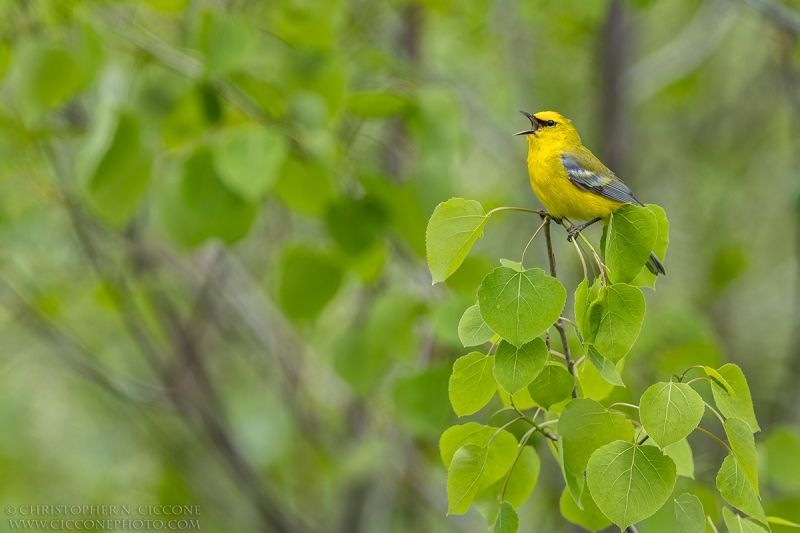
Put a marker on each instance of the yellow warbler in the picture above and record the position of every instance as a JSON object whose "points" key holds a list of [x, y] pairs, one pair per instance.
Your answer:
{"points": [[569, 180]]}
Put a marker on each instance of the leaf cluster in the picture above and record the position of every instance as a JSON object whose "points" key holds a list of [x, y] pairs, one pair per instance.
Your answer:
{"points": [[618, 467]]}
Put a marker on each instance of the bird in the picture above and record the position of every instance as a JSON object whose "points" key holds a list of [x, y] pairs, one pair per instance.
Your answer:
{"points": [[570, 181]]}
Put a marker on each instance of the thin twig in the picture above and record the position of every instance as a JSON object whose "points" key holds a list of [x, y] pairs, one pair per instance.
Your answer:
{"points": [[583, 261], [522, 443], [72, 351], [568, 321], [625, 404], [600, 264], [504, 426], [594, 270], [493, 347], [532, 423], [687, 371], [715, 438], [524, 210], [504, 409], [560, 323], [522, 260], [722, 420]]}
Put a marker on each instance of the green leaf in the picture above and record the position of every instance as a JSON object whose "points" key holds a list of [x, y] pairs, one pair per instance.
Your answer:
{"points": [[581, 303], [552, 385], [474, 468], [515, 367], [584, 426], [487, 502], [226, 42], [191, 115], [308, 281], [419, 401], [304, 27], [305, 186], [645, 277], [522, 400], [512, 265], [356, 225], [681, 454], [591, 384], [729, 262], [463, 477], [783, 448], [736, 524], [472, 330], [452, 230], [469, 275], [507, 520], [743, 446], [575, 480], [453, 438], [615, 319], [376, 105], [248, 159], [197, 205], [689, 514], [588, 517], [670, 411], [121, 175], [520, 306], [781, 521], [629, 482], [717, 378], [49, 73], [606, 368], [523, 478], [472, 384], [739, 405], [736, 489], [520, 484], [631, 236], [364, 354], [584, 297]]}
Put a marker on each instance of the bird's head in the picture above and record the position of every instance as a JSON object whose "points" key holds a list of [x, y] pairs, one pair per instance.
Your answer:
{"points": [[551, 129]]}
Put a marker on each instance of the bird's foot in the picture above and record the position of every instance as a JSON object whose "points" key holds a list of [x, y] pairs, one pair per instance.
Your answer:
{"points": [[572, 232]]}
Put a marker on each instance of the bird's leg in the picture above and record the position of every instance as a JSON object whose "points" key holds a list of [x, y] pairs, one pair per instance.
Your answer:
{"points": [[574, 230]]}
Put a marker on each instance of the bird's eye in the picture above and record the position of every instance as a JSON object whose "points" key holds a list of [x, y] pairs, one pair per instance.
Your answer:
{"points": [[551, 122]]}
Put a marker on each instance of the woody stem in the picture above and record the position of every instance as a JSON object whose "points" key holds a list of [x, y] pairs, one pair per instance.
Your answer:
{"points": [[560, 323]]}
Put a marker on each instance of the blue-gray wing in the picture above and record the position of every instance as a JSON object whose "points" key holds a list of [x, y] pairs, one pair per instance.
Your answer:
{"points": [[588, 174]]}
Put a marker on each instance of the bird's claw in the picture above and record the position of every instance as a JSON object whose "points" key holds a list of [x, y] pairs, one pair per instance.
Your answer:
{"points": [[572, 231]]}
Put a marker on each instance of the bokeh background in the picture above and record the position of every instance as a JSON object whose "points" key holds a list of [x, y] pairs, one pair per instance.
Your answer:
{"points": [[212, 218]]}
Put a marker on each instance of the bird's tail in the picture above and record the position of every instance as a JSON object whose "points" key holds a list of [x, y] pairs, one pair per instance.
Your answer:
{"points": [[655, 265]]}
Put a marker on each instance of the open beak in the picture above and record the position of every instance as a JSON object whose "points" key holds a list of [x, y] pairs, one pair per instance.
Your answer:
{"points": [[534, 125]]}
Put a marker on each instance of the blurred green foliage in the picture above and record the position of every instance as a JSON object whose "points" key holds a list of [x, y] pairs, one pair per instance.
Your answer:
{"points": [[213, 219]]}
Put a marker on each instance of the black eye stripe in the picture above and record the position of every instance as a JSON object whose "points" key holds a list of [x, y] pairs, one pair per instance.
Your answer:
{"points": [[551, 123]]}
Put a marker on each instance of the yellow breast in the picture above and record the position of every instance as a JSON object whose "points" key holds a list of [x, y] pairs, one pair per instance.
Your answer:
{"points": [[559, 195]]}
